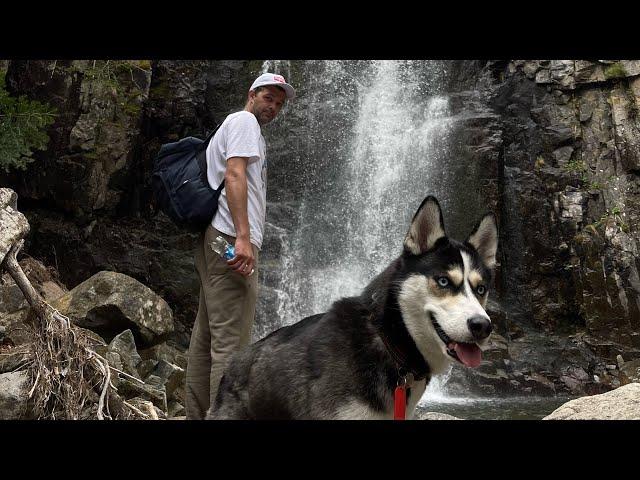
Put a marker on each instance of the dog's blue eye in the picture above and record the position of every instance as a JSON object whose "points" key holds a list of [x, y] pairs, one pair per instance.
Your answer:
{"points": [[481, 289], [443, 281]]}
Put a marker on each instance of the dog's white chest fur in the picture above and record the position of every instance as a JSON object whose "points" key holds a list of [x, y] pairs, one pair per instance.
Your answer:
{"points": [[358, 410]]}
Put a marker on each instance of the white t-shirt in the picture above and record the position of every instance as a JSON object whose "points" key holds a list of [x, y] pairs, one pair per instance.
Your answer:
{"points": [[240, 136]]}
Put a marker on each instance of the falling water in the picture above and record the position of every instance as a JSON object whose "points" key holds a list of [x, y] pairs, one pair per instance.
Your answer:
{"points": [[281, 67], [377, 163]]}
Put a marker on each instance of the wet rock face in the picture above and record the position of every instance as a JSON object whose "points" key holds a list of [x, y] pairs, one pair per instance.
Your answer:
{"points": [[570, 183], [186, 98]]}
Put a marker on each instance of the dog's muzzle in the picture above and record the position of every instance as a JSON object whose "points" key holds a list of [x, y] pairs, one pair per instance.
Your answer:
{"points": [[468, 354]]}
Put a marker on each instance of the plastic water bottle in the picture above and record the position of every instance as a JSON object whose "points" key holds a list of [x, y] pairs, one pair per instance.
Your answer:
{"points": [[224, 249]]}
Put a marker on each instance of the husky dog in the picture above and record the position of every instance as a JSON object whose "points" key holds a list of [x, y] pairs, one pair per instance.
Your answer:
{"points": [[425, 310]]}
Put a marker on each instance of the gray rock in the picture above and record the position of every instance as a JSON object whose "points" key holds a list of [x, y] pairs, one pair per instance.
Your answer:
{"points": [[13, 395], [124, 345], [11, 297], [176, 409], [562, 155], [129, 388], [109, 303], [171, 376], [630, 372], [115, 362], [436, 416], [8, 198], [13, 224], [166, 352], [12, 358], [41, 278], [145, 367], [15, 330], [620, 404]]}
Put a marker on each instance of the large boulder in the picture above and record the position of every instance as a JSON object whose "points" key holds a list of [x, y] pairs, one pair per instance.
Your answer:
{"points": [[620, 404], [13, 395], [109, 303]]}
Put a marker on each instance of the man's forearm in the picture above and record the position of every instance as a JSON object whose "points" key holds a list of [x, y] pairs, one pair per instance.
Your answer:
{"points": [[236, 188]]}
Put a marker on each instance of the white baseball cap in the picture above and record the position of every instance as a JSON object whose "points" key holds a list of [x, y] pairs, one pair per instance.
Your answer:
{"points": [[273, 79]]}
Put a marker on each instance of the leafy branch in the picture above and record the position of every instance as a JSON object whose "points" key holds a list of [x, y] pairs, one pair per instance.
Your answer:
{"points": [[23, 124]]}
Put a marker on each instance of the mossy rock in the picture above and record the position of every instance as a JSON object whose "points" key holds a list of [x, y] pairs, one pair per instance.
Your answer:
{"points": [[615, 71]]}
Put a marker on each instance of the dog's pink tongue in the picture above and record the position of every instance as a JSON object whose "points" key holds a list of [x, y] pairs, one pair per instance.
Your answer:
{"points": [[469, 354]]}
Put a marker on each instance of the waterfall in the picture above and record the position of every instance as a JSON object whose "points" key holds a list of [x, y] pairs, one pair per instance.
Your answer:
{"points": [[382, 130], [280, 67]]}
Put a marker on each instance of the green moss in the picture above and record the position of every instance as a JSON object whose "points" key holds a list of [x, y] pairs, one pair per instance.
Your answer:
{"points": [[615, 70]]}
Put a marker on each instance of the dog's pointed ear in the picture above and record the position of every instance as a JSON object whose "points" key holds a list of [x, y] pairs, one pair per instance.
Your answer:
{"points": [[426, 227], [484, 239]]}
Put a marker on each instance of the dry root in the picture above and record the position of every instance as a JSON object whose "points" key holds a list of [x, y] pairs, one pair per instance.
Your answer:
{"points": [[68, 376], [69, 379]]}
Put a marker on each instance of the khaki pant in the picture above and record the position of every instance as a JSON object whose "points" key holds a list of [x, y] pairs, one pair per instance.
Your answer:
{"points": [[223, 324]]}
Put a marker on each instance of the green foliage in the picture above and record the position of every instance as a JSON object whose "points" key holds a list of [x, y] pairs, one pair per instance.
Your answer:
{"points": [[613, 217], [615, 70], [118, 75], [592, 186], [112, 73], [23, 125], [575, 165]]}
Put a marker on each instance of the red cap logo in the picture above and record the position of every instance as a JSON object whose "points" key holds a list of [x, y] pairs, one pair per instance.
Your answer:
{"points": [[278, 78]]}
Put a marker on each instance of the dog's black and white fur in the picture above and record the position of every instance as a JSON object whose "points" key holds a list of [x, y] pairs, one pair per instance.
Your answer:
{"points": [[425, 310]]}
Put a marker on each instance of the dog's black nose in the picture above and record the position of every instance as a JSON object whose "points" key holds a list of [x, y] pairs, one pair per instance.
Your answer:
{"points": [[480, 327]]}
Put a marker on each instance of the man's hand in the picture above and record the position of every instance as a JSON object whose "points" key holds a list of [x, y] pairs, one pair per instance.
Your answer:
{"points": [[244, 260]]}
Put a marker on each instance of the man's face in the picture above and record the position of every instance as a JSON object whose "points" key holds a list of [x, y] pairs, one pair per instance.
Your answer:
{"points": [[267, 103]]}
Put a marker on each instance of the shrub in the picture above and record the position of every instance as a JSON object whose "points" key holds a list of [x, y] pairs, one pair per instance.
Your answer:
{"points": [[23, 124]]}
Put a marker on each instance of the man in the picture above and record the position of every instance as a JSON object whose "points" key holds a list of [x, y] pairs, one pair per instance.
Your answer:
{"points": [[228, 289]]}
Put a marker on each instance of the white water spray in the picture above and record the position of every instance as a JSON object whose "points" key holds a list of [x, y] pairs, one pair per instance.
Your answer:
{"points": [[353, 222]]}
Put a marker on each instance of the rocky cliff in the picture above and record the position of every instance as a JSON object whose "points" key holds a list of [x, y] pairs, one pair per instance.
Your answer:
{"points": [[555, 145]]}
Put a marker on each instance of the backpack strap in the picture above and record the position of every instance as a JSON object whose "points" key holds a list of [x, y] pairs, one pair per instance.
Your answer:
{"points": [[201, 156]]}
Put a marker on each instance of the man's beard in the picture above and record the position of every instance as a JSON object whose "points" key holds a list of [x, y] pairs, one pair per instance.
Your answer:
{"points": [[263, 117]]}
